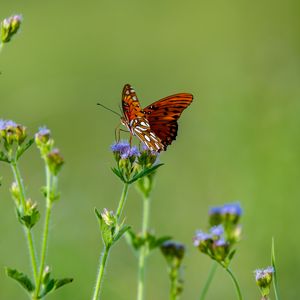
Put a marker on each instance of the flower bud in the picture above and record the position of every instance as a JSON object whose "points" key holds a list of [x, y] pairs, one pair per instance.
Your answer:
{"points": [[9, 27], [54, 161], [108, 217], [42, 136], [263, 279], [15, 192], [173, 252]]}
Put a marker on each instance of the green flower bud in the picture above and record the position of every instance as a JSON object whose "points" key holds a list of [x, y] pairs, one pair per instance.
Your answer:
{"points": [[9, 27], [173, 252], [54, 161], [263, 279], [108, 217], [15, 192]]}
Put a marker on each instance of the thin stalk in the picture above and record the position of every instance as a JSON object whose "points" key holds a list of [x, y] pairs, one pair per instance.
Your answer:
{"points": [[106, 250], [143, 250], [27, 231], [174, 284], [275, 279], [236, 284], [45, 233], [209, 279], [103, 259], [122, 201]]}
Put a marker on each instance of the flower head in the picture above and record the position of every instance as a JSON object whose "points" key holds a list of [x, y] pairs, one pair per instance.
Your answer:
{"points": [[263, 279], [54, 161], [9, 27], [12, 132], [123, 150], [217, 230], [173, 250]]}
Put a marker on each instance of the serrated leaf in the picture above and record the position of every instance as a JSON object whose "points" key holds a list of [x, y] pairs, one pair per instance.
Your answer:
{"points": [[61, 282], [21, 278], [121, 232], [24, 147]]}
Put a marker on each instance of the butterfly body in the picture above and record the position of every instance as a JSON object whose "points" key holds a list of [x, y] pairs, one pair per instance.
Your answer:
{"points": [[156, 125]]}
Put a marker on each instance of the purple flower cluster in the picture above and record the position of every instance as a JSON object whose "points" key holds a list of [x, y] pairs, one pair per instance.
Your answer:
{"points": [[124, 149], [9, 27], [12, 132], [229, 208]]}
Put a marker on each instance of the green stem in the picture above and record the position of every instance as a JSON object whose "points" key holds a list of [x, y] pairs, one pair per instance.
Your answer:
{"points": [[143, 250], [27, 231], [106, 250], [122, 201], [103, 259], [174, 284], [45, 233], [209, 279], [237, 287], [275, 280]]}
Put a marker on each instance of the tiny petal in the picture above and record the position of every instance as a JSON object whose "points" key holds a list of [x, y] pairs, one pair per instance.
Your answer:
{"points": [[217, 230]]}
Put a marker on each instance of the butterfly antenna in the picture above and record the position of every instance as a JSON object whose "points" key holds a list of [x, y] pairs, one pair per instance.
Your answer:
{"points": [[109, 109]]}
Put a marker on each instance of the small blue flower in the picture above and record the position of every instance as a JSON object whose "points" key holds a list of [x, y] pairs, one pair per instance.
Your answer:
{"points": [[43, 131], [2, 124], [217, 230], [201, 237], [221, 242], [215, 210], [262, 273], [124, 149], [232, 209]]}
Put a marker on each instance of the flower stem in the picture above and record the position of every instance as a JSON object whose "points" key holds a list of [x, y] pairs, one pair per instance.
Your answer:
{"points": [[103, 259], [174, 295], [209, 279], [106, 250], [143, 250], [27, 231], [122, 201], [275, 280], [45, 233], [237, 287]]}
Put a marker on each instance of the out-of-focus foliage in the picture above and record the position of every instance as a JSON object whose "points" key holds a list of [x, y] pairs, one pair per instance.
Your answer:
{"points": [[239, 140]]}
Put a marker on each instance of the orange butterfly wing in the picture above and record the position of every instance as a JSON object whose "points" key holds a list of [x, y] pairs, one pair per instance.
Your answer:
{"points": [[163, 115], [130, 103]]}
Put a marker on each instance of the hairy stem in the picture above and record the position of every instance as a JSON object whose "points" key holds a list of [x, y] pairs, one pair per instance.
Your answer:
{"points": [[106, 250], [46, 232], [27, 231], [143, 250]]}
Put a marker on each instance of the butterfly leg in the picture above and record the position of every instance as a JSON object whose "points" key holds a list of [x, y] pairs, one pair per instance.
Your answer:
{"points": [[117, 133]]}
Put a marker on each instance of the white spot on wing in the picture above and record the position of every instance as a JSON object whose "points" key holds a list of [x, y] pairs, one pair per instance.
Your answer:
{"points": [[147, 138]]}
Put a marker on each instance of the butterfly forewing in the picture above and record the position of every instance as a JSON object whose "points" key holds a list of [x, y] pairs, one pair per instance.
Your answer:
{"points": [[163, 115], [130, 103]]}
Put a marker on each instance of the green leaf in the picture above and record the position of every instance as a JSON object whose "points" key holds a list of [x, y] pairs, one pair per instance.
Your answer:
{"points": [[24, 147], [3, 157], [61, 282], [134, 240], [98, 214], [21, 278], [50, 285], [120, 233], [231, 255], [119, 174], [158, 242], [144, 172], [275, 278]]}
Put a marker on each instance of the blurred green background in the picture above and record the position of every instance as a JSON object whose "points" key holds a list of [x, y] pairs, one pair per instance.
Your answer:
{"points": [[239, 140]]}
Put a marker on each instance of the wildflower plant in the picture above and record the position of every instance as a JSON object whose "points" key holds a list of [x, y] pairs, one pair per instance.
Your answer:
{"points": [[13, 145], [131, 166], [219, 242]]}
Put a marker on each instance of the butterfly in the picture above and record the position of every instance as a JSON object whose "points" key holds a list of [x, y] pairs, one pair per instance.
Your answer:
{"points": [[155, 125]]}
